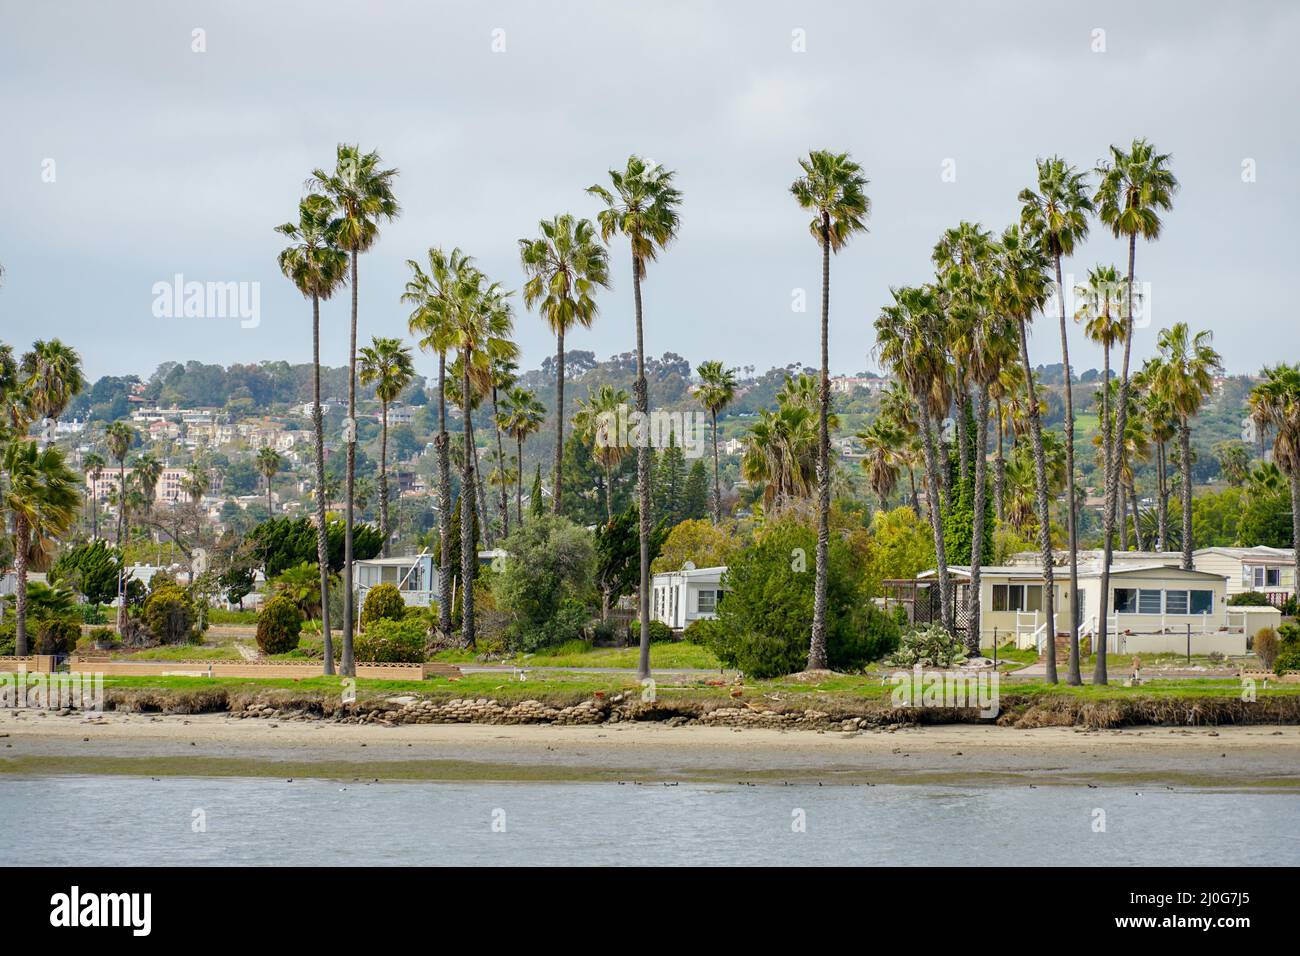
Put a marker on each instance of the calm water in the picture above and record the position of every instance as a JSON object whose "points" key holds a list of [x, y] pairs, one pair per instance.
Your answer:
{"points": [[136, 820]]}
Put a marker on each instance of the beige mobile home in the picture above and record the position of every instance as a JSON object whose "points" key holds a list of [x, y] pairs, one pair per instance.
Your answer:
{"points": [[1271, 571]]}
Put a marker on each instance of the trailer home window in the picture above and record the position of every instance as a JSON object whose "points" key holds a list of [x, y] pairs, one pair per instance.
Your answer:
{"points": [[1017, 597]]}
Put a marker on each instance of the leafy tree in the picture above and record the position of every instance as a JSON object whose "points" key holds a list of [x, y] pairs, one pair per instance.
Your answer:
{"points": [[618, 555], [900, 546], [699, 541], [91, 569], [548, 572]]}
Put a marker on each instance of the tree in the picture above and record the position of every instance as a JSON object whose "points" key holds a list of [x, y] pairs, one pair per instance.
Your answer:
{"points": [[564, 267], [52, 373], [670, 481], [603, 407], [618, 551], [268, 465], [1135, 186], [833, 188], [536, 507], [362, 194], [1101, 310], [386, 364], [699, 541], [1275, 404], [643, 208], [92, 466], [432, 291], [522, 415], [1183, 377], [1057, 216], [91, 569], [717, 390], [502, 377], [1021, 291], [41, 499], [119, 436], [545, 584], [317, 267], [695, 493]]}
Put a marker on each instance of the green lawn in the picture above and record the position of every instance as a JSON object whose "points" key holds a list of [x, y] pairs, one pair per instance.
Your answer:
{"points": [[666, 656]]}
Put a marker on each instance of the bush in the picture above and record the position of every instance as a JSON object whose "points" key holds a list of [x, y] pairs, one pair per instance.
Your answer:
{"points": [[389, 641], [1266, 647], [278, 626], [102, 635], [766, 618], [1288, 657], [1249, 599], [659, 632], [383, 603], [604, 632], [56, 635], [703, 631], [545, 587], [1290, 607], [929, 646], [170, 615]]}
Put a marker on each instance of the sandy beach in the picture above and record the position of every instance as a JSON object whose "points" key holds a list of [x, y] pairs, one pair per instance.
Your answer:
{"points": [[1239, 757]]}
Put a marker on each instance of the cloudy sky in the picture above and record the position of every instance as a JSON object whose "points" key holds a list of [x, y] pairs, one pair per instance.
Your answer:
{"points": [[129, 157]]}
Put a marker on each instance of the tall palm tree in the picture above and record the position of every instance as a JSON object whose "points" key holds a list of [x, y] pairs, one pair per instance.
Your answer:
{"points": [[781, 453], [147, 471], [362, 193], [1135, 186], [41, 496], [1275, 404], [1022, 290], [119, 436], [717, 390], [505, 373], [92, 466], [911, 337], [642, 207], [883, 439], [602, 408], [268, 465], [317, 267], [53, 377], [480, 330], [1101, 310], [522, 415], [1057, 216], [564, 266], [433, 292], [833, 188], [385, 364], [1183, 376]]}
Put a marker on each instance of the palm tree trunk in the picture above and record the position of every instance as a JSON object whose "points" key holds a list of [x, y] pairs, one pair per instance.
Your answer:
{"points": [[916, 501], [1295, 527], [121, 547], [817, 647], [440, 443], [1138, 542], [519, 482], [480, 490], [94, 510], [1072, 675], [717, 486], [322, 529], [1162, 497], [557, 481], [1000, 470], [609, 493], [383, 474], [963, 451], [21, 535], [1185, 447], [468, 555], [1112, 477], [642, 479], [348, 666], [1044, 511], [1123, 513], [977, 522], [503, 500], [269, 512], [932, 507]]}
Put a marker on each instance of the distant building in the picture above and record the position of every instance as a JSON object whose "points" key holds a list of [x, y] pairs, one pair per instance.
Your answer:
{"points": [[679, 597]]}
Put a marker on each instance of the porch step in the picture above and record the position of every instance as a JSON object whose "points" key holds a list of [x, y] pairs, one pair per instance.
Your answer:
{"points": [[1062, 647]]}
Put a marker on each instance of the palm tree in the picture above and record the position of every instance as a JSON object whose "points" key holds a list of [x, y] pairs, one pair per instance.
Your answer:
{"points": [[503, 378], [433, 293], [481, 324], [716, 391], [833, 188], [196, 484], [781, 452], [1275, 404], [92, 466], [385, 364], [362, 194], [591, 422], [911, 340], [1057, 216], [317, 267], [1102, 313], [1135, 186], [642, 207], [1021, 290], [883, 439], [522, 416], [1183, 377], [53, 377], [119, 436], [41, 497], [565, 266], [268, 464]]}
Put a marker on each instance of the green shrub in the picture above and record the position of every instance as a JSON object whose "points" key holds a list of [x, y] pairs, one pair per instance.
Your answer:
{"points": [[1290, 607], [762, 655], [1266, 646], [388, 641], [1249, 599], [102, 635], [545, 588], [170, 615], [1288, 656], [702, 631], [278, 626], [8, 637], [56, 635], [660, 632], [604, 632], [929, 646], [383, 603]]}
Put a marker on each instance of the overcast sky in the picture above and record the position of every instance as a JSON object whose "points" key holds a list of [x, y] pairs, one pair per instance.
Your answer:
{"points": [[166, 160]]}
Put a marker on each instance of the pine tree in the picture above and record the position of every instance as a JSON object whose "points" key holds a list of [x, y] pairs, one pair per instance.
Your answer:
{"points": [[535, 506], [696, 496], [670, 482]]}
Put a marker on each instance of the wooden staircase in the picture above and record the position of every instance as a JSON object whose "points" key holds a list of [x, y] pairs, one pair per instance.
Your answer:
{"points": [[1062, 647]]}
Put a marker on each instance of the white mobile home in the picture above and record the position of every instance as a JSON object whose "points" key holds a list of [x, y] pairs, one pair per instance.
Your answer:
{"points": [[1270, 571], [679, 597]]}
